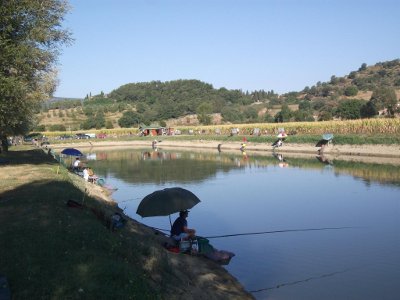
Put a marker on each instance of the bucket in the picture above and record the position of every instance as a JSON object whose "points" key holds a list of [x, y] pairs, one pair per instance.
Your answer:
{"points": [[204, 245], [184, 246]]}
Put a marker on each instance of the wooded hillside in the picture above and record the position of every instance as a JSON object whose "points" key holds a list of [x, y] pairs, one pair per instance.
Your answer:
{"points": [[367, 92]]}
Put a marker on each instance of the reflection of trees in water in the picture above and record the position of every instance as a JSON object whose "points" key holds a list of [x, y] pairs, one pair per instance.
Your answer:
{"points": [[385, 174], [184, 166], [159, 167]]}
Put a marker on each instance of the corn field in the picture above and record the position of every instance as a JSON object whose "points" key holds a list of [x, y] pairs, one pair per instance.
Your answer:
{"points": [[363, 126]]}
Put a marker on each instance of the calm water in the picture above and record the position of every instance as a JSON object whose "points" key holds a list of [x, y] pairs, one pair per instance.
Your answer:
{"points": [[254, 193]]}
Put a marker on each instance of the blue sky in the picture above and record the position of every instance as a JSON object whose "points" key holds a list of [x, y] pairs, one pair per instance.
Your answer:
{"points": [[280, 45]]}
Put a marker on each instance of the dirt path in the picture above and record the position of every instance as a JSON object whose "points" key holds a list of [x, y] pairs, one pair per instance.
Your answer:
{"points": [[367, 150], [366, 153]]}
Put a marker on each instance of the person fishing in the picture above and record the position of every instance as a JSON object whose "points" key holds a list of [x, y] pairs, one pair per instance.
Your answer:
{"points": [[179, 230]]}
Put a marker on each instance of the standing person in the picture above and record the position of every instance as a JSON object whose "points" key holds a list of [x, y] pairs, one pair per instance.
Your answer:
{"points": [[179, 230], [243, 147], [154, 145]]}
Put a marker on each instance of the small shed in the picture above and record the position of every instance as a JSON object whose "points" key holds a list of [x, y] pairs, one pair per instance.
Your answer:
{"points": [[152, 130]]}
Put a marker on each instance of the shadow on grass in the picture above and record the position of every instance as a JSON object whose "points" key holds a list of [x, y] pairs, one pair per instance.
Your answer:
{"points": [[32, 156], [52, 251]]}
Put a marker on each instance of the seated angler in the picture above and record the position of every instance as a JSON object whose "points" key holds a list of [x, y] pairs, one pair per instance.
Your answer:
{"points": [[76, 166], [179, 230]]}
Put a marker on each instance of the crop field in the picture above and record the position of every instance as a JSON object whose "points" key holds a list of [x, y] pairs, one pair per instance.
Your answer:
{"points": [[364, 126]]}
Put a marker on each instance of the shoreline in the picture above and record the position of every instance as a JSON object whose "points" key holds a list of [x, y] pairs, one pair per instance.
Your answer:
{"points": [[170, 275], [200, 276], [381, 154], [359, 150]]}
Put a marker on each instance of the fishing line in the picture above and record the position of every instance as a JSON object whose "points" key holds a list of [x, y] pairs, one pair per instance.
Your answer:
{"points": [[305, 280], [128, 200], [160, 229], [277, 231]]}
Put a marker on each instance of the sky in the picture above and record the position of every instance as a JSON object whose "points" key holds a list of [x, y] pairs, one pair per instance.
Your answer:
{"points": [[279, 45]]}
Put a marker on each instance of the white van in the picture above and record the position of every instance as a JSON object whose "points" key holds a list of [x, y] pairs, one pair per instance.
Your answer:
{"points": [[91, 135]]}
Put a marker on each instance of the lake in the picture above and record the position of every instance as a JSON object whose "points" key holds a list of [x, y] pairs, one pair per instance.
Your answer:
{"points": [[338, 220]]}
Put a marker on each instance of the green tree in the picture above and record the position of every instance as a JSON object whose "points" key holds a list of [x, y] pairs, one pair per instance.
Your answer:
{"points": [[250, 114], [363, 67], [368, 110], [130, 119], [303, 115], [57, 127], [88, 124], [99, 120], [305, 105], [385, 98], [268, 118], [350, 109], [284, 115], [31, 36], [141, 107], [89, 111], [351, 91], [203, 113], [109, 124], [325, 116], [231, 114]]}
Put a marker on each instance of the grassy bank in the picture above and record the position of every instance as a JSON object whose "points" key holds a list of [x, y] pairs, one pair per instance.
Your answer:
{"points": [[50, 250]]}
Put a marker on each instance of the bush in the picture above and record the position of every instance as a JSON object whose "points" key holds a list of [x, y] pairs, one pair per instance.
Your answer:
{"points": [[109, 124], [350, 109], [40, 128], [57, 127], [351, 91]]}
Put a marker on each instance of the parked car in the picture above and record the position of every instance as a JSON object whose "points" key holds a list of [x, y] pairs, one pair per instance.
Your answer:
{"points": [[101, 135], [30, 137], [91, 135], [81, 136], [65, 137]]}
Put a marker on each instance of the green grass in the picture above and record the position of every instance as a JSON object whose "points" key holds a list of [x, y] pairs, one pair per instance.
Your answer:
{"points": [[52, 251]]}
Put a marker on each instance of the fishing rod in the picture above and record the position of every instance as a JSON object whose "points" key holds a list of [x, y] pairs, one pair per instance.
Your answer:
{"points": [[277, 231]]}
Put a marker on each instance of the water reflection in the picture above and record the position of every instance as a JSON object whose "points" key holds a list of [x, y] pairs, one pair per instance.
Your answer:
{"points": [[249, 192], [325, 160], [159, 165], [282, 161]]}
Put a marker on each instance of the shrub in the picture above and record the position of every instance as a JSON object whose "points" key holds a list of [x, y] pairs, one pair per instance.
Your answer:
{"points": [[351, 91]]}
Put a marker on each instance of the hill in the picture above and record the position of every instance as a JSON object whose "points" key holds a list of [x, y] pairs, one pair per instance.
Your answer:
{"points": [[192, 102]]}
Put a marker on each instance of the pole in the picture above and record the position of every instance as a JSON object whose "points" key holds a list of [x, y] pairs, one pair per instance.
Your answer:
{"points": [[277, 231]]}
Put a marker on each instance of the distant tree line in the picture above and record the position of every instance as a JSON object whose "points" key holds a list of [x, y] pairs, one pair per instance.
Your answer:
{"points": [[156, 101]]}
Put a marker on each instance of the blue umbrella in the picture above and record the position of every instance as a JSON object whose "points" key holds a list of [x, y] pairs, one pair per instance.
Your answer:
{"points": [[327, 136], [72, 152]]}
